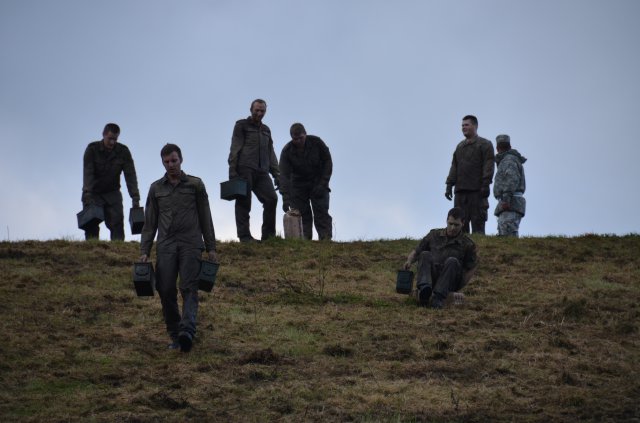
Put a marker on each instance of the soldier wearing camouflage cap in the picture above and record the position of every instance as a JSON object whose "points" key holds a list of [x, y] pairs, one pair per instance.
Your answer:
{"points": [[509, 187]]}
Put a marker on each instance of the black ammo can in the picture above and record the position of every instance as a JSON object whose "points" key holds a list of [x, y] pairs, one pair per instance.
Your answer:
{"points": [[91, 214], [144, 279], [136, 219], [207, 275], [234, 189], [404, 283]]}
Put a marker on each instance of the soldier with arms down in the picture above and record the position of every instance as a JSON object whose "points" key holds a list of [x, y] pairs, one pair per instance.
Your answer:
{"points": [[305, 169], [509, 187], [178, 209], [471, 173], [446, 261], [104, 162]]}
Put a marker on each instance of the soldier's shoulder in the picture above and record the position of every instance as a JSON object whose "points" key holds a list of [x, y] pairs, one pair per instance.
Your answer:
{"points": [[485, 142], [466, 239], [94, 144], [194, 179]]}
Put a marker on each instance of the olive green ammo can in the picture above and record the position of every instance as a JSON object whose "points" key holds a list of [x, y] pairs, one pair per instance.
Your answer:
{"points": [[404, 283], [144, 279]]}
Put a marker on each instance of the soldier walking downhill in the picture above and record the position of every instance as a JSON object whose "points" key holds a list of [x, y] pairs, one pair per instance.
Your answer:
{"points": [[104, 162], [509, 187], [471, 173], [178, 210]]}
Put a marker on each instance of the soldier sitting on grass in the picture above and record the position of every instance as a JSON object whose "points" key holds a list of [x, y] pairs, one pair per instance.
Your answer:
{"points": [[446, 261]]}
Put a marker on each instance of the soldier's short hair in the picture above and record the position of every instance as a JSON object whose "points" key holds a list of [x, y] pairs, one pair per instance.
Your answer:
{"points": [[170, 148], [297, 129], [472, 118], [111, 127], [503, 140], [456, 213], [258, 100]]}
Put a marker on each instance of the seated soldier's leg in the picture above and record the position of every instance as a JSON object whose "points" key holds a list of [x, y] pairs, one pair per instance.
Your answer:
{"points": [[425, 279], [450, 279]]}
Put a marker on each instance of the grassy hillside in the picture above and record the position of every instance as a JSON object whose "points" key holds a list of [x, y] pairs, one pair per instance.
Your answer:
{"points": [[307, 331]]}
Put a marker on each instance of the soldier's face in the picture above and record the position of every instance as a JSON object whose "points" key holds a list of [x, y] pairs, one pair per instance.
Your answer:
{"points": [[172, 164], [109, 140], [258, 110], [454, 226], [469, 130], [298, 140]]}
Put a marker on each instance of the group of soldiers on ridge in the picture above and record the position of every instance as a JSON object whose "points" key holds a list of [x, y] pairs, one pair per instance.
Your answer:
{"points": [[177, 207]]}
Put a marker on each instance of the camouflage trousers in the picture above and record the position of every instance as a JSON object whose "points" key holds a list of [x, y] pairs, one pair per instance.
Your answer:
{"points": [[509, 223]]}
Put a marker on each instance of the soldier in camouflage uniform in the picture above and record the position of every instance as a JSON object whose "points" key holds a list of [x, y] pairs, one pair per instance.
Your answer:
{"points": [[305, 169], [104, 162], [471, 173], [178, 210], [252, 158], [446, 259], [509, 187]]}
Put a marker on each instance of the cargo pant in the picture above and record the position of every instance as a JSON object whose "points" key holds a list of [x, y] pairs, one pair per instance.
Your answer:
{"points": [[185, 262], [261, 185], [314, 210], [509, 223], [447, 276], [113, 215], [475, 210]]}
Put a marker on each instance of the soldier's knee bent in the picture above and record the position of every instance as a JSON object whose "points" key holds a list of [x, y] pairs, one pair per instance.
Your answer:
{"points": [[452, 261]]}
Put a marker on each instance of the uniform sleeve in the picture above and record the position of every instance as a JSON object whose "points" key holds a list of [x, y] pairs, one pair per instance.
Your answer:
{"points": [[204, 217], [237, 142], [424, 245], [327, 164], [453, 170], [488, 159], [285, 174], [273, 160], [507, 180], [88, 173], [130, 176], [150, 223], [470, 257]]}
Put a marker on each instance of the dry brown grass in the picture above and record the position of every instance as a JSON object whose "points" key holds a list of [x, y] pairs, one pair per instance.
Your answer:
{"points": [[307, 331]]}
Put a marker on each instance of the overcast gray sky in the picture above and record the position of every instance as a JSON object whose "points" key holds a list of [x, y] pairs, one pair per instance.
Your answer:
{"points": [[384, 84]]}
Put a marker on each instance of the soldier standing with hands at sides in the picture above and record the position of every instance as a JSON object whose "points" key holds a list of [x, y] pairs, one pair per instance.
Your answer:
{"points": [[104, 162], [306, 166], [471, 173], [252, 158], [509, 187], [178, 209]]}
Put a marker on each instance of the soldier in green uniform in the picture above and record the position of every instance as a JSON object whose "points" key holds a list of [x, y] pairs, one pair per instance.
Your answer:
{"points": [[446, 261], [252, 158], [104, 162], [470, 175], [178, 209]]}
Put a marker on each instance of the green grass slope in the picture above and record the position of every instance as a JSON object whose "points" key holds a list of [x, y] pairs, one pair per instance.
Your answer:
{"points": [[307, 331]]}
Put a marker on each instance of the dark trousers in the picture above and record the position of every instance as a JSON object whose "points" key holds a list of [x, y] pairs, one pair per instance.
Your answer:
{"points": [[184, 262], [447, 276], [475, 210], [261, 185], [314, 210], [113, 218]]}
